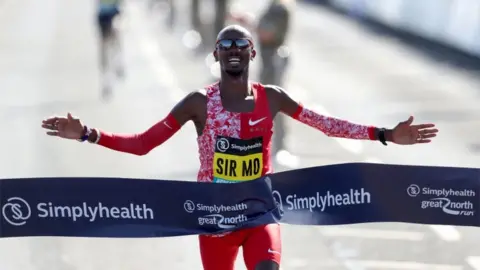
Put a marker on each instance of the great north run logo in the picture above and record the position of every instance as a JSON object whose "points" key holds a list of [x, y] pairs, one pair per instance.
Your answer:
{"points": [[456, 202]]}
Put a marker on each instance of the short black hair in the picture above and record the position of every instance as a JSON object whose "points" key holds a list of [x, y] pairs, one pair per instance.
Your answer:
{"points": [[235, 28]]}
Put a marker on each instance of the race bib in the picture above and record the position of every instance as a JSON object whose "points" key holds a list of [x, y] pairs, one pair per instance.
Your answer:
{"points": [[237, 160]]}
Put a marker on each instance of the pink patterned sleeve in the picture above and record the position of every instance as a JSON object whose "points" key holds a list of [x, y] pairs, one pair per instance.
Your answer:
{"points": [[334, 127]]}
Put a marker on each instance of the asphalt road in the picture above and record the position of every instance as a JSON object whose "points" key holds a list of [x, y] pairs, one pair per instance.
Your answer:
{"points": [[48, 53]]}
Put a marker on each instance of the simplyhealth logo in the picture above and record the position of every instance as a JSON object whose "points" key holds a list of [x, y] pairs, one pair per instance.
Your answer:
{"points": [[218, 214], [460, 205], [321, 201], [17, 211]]}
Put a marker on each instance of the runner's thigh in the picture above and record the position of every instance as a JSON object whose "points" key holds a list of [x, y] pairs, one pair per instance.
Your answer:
{"points": [[263, 243], [218, 253]]}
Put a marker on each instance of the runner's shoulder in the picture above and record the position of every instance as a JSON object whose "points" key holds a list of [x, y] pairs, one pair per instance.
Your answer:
{"points": [[190, 107], [274, 91], [195, 99], [272, 87], [280, 99], [197, 96]]}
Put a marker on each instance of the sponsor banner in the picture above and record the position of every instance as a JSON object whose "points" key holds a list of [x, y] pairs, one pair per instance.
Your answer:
{"points": [[325, 195], [360, 192], [112, 207]]}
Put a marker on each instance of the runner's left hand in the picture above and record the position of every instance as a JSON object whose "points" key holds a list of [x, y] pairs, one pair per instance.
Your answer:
{"points": [[405, 133]]}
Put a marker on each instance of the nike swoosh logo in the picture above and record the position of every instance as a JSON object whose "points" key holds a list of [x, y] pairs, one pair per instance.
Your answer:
{"points": [[273, 251], [166, 124], [253, 123]]}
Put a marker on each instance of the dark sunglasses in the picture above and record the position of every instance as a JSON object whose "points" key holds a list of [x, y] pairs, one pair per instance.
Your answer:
{"points": [[226, 44]]}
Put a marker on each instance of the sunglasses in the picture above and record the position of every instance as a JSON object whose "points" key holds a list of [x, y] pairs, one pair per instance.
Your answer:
{"points": [[225, 44]]}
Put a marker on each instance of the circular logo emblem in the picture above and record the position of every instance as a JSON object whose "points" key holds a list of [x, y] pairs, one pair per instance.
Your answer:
{"points": [[189, 206], [223, 145], [16, 211], [413, 190], [277, 198]]}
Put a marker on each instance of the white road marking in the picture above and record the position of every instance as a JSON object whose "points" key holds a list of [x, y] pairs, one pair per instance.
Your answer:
{"points": [[446, 232]]}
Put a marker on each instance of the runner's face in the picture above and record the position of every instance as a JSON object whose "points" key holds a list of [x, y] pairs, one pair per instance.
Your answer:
{"points": [[234, 51]]}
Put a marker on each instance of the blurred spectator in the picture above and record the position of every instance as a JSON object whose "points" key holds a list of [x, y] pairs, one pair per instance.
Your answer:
{"points": [[206, 33], [221, 8], [110, 46], [195, 15], [272, 30]]}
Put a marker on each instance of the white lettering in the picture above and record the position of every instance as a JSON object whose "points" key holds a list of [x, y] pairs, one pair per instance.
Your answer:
{"points": [[248, 147], [328, 200], [449, 207], [221, 221], [448, 192], [222, 208], [92, 213]]}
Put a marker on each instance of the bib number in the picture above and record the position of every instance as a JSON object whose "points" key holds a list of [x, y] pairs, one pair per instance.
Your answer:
{"points": [[237, 160]]}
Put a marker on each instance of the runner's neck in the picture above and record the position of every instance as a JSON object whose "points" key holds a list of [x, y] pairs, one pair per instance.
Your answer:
{"points": [[235, 90]]}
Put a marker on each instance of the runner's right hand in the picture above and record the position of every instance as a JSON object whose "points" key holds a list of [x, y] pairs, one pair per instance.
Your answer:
{"points": [[64, 127]]}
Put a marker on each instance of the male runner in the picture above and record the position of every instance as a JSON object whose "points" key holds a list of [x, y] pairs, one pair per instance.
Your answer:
{"points": [[107, 11], [235, 111], [110, 47]]}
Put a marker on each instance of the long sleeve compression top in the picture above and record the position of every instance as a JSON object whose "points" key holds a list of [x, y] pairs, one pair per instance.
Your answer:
{"points": [[143, 143], [334, 127]]}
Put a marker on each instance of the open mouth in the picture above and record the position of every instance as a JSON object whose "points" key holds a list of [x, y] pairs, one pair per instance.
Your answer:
{"points": [[234, 60]]}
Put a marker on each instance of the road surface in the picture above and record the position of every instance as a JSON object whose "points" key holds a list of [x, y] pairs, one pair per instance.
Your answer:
{"points": [[49, 66]]}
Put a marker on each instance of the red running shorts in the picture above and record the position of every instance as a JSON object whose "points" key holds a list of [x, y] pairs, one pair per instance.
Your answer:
{"points": [[259, 244]]}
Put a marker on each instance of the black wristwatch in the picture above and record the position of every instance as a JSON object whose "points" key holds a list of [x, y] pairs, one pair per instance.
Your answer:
{"points": [[86, 133], [381, 136]]}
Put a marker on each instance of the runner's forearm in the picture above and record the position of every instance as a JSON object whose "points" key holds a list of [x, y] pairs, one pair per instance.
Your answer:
{"points": [[334, 127], [137, 144]]}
